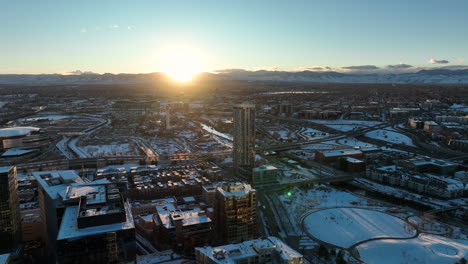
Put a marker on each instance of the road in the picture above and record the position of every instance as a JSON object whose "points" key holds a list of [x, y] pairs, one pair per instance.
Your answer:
{"points": [[336, 136]]}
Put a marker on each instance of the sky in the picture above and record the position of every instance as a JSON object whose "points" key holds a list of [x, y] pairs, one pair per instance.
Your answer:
{"points": [[135, 36]]}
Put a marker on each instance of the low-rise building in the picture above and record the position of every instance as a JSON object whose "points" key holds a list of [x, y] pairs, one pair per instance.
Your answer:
{"points": [[262, 250], [430, 126], [459, 145], [333, 155], [352, 165], [426, 164], [433, 185], [265, 174], [181, 227]]}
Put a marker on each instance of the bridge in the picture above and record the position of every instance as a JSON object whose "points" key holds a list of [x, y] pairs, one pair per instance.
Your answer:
{"points": [[295, 145]]}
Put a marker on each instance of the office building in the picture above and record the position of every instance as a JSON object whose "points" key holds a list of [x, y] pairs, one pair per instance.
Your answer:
{"points": [[235, 212], [10, 221], [51, 186], [266, 174], [182, 226], [97, 226]]}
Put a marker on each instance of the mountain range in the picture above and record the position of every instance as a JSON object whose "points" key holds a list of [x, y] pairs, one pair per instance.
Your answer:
{"points": [[427, 76]]}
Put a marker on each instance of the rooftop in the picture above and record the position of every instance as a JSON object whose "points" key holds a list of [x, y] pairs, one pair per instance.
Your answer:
{"points": [[55, 183], [265, 168], [95, 194], [69, 227], [4, 258], [5, 169], [353, 160], [168, 213], [426, 161], [17, 152], [17, 131], [343, 152], [232, 253], [235, 189]]}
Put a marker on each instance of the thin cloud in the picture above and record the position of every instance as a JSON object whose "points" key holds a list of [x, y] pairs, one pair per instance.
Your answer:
{"points": [[399, 66], [434, 61], [114, 26], [361, 67], [129, 27], [83, 30], [312, 68]]}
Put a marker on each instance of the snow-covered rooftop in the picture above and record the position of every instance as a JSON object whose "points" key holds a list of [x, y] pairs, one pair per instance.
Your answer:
{"points": [[235, 189], [265, 168], [353, 160], [4, 169], [4, 258], [168, 213], [343, 152], [55, 183], [69, 227], [17, 152], [233, 253], [17, 131]]}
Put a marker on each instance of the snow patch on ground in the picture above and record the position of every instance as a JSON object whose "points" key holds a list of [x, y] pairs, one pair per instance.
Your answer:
{"points": [[390, 136], [322, 196], [109, 150], [353, 142]]}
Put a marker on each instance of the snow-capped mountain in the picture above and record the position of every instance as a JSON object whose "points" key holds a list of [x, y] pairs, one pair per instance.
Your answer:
{"points": [[432, 76], [437, 76]]}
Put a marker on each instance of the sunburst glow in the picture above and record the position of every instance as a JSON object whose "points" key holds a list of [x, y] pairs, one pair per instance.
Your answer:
{"points": [[181, 63]]}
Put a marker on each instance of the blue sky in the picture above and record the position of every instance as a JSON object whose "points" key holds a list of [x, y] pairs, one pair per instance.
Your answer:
{"points": [[129, 36]]}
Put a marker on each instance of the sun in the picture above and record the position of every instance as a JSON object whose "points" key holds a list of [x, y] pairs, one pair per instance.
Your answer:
{"points": [[181, 63]]}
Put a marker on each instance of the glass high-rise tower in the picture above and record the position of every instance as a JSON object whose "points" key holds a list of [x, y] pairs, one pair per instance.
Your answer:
{"points": [[244, 139], [10, 221]]}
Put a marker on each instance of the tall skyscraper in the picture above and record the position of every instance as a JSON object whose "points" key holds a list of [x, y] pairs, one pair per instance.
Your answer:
{"points": [[10, 221], [236, 216], [244, 139], [168, 116]]}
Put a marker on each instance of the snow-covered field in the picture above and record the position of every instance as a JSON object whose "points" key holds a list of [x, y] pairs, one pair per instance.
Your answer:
{"points": [[166, 147], [353, 142], [421, 250], [345, 227], [310, 133], [322, 196], [110, 150], [390, 136]]}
